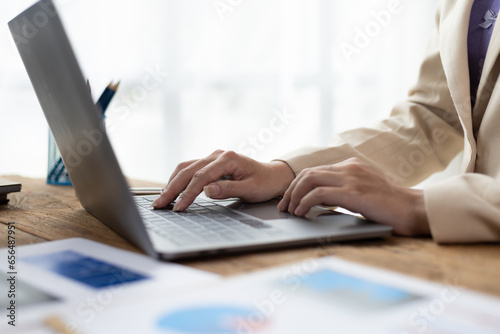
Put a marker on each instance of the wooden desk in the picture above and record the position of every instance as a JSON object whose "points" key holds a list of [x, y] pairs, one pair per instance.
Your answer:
{"points": [[43, 212]]}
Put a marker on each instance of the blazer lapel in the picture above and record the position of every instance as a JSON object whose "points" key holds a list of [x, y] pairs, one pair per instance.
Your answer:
{"points": [[454, 29]]}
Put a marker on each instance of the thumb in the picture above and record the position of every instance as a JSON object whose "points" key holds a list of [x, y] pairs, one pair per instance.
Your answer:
{"points": [[226, 189]]}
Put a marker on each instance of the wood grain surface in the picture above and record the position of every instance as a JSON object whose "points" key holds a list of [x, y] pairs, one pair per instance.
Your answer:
{"points": [[44, 212]]}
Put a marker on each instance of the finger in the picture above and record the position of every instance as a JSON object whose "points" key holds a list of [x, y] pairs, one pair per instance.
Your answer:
{"points": [[177, 184], [285, 201], [229, 189], [307, 181], [311, 180], [180, 167], [180, 179], [226, 164], [319, 196], [284, 204]]}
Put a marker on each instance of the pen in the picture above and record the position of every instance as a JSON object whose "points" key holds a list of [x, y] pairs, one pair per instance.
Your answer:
{"points": [[146, 191]]}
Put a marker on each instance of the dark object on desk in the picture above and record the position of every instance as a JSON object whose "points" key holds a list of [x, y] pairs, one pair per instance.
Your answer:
{"points": [[6, 187]]}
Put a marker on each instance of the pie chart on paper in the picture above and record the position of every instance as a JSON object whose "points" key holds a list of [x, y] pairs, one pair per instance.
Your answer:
{"points": [[212, 319]]}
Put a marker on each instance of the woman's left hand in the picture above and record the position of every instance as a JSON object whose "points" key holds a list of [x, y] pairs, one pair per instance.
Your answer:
{"points": [[358, 187]]}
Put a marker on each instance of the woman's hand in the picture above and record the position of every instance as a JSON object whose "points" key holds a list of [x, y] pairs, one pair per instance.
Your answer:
{"points": [[225, 174], [358, 187]]}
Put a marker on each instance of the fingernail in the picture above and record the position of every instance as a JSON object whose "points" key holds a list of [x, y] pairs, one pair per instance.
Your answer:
{"points": [[212, 190], [298, 212], [155, 203], [280, 204], [177, 205]]}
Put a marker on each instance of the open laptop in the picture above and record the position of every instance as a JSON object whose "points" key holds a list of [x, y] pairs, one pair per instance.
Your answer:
{"points": [[207, 227]]}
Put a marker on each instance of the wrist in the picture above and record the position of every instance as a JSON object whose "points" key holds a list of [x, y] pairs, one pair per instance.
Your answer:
{"points": [[418, 220], [282, 174]]}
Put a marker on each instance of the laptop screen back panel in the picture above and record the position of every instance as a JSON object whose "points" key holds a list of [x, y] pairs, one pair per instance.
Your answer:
{"points": [[74, 121]]}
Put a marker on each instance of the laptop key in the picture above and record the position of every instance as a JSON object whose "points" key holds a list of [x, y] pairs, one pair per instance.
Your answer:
{"points": [[203, 222]]}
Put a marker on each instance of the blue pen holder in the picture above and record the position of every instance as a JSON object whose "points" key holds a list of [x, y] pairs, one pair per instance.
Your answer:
{"points": [[57, 173]]}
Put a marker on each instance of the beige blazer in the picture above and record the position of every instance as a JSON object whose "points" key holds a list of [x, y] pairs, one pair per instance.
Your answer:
{"points": [[426, 131]]}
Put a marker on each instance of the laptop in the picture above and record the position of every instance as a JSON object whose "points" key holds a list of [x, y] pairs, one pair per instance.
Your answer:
{"points": [[207, 227]]}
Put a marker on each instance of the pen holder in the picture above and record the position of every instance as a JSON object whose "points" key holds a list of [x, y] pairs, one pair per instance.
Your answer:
{"points": [[57, 173]]}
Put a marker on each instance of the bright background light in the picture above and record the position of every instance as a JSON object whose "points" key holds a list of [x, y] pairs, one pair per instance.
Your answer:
{"points": [[222, 78]]}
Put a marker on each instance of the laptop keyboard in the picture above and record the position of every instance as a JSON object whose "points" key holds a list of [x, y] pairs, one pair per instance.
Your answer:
{"points": [[202, 222]]}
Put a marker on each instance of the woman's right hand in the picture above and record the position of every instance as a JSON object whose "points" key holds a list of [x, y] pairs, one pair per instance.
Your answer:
{"points": [[225, 174]]}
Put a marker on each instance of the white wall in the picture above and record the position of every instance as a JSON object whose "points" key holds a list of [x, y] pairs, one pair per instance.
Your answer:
{"points": [[222, 76]]}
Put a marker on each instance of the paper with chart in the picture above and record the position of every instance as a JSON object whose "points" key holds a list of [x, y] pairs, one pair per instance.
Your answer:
{"points": [[315, 296], [84, 278]]}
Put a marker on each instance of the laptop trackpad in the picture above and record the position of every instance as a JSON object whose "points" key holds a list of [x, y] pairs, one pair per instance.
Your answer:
{"points": [[265, 210], [269, 211]]}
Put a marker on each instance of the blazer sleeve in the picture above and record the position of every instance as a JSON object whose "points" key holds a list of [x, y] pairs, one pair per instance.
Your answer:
{"points": [[464, 208], [421, 136]]}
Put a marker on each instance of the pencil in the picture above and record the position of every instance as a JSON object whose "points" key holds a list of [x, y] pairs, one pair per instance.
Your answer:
{"points": [[106, 96], [57, 324]]}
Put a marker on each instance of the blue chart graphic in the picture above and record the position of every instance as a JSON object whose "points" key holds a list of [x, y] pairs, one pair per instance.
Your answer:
{"points": [[354, 291], [84, 269], [208, 320]]}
